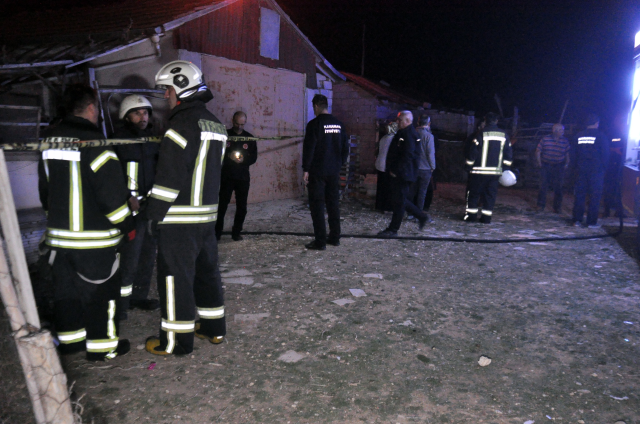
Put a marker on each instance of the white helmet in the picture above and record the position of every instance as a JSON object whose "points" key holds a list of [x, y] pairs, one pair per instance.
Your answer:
{"points": [[183, 76], [507, 179], [133, 102]]}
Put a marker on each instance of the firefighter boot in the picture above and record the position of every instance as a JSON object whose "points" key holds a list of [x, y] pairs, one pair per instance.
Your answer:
{"points": [[152, 346], [123, 348], [214, 340]]}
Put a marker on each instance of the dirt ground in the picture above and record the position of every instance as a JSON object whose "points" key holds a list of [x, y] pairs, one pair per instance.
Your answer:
{"points": [[559, 320]]}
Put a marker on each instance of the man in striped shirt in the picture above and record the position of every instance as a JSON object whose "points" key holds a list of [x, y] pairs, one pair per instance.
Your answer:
{"points": [[552, 156]]}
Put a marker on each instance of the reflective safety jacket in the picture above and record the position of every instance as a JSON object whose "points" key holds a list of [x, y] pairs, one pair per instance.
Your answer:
{"points": [[188, 175], [138, 160], [82, 190], [490, 152]]}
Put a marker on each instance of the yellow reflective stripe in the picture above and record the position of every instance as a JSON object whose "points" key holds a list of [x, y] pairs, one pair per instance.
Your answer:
{"points": [[198, 174], [88, 235], [488, 213], [496, 172], [472, 210], [470, 162], [193, 210], [126, 291], [102, 159], [485, 152], [164, 193], [68, 337], [507, 162], [104, 345], [179, 140], [75, 198], [171, 312], [132, 174], [586, 140], [59, 154], [189, 219], [119, 214], [211, 312], [494, 135], [178, 326], [73, 244], [46, 168]]}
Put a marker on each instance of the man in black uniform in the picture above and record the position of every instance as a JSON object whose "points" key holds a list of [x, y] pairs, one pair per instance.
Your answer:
{"points": [[241, 154], [487, 156], [402, 166], [182, 210], [592, 157], [139, 163], [83, 192], [324, 150]]}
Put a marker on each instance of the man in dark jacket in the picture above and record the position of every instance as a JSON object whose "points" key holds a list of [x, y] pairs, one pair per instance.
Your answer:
{"points": [[325, 149], [240, 155], [592, 157], [139, 164], [182, 210], [83, 192], [402, 166]]}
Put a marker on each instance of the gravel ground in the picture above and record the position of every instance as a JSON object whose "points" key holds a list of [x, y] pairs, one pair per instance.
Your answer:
{"points": [[559, 320]]}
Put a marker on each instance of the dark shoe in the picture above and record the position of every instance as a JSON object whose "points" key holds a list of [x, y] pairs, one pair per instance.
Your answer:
{"points": [[70, 349], [236, 237], [484, 219], [388, 233], [470, 218], [423, 221], [333, 242], [144, 304], [123, 348], [314, 245], [214, 340]]}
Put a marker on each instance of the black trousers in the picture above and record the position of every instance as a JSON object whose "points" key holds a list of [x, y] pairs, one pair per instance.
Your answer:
{"points": [[481, 189], [551, 175], [401, 191], [383, 192], [137, 260], [325, 191], [589, 183], [85, 311], [227, 187], [189, 280]]}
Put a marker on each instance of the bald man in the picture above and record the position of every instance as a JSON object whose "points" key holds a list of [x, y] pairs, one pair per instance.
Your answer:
{"points": [[552, 156]]}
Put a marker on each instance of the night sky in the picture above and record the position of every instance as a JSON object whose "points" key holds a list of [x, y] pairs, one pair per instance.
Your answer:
{"points": [[458, 53]]}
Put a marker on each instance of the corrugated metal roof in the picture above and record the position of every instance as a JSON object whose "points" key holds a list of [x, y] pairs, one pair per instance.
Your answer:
{"points": [[379, 91], [122, 16]]}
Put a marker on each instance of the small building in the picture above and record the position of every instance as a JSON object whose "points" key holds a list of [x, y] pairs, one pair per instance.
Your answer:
{"points": [[253, 57], [365, 106]]}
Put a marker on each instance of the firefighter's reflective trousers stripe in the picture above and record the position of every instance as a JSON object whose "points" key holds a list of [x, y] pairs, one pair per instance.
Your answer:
{"points": [[481, 191], [189, 282], [85, 311]]}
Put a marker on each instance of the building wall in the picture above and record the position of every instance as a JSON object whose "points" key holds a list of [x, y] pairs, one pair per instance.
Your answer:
{"points": [[455, 123], [358, 110], [274, 101]]}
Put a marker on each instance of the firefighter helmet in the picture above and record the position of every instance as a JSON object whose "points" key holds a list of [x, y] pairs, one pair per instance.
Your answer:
{"points": [[507, 179], [183, 76], [134, 102]]}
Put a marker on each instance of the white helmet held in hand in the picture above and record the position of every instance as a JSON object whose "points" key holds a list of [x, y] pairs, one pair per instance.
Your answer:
{"points": [[507, 179], [134, 102], [183, 76]]}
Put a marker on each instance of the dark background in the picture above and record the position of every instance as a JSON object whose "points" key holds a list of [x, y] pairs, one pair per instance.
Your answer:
{"points": [[459, 53]]}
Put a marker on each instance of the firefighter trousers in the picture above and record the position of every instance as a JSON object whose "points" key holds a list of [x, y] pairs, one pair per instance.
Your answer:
{"points": [[138, 258], [481, 189], [86, 291], [189, 281]]}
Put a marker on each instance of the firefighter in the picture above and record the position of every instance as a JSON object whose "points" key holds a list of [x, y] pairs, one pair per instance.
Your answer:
{"points": [[592, 157], [182, 209], [235, 175], [139, 163], [486, 157], [84, 194]]}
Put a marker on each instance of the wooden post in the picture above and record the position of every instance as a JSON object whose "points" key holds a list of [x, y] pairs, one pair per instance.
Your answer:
{"points": [[11, 231], [46, 381]]}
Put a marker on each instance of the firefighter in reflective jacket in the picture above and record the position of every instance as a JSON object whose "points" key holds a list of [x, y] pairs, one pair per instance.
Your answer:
{"points": [[84, 194], [182, 210], [488, 155]]}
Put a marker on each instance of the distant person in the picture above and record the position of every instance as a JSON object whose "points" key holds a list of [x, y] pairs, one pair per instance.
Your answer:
{"points": [[433, 184], [239, 156], [488, 155], [383, 188], [592, 157], [139, 164], [402, 166], [613, 174], [426, 161], [552, 157], [324, 150]]}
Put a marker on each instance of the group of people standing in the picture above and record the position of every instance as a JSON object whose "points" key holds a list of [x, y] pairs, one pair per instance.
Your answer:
{"points": [[101, 256]]}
